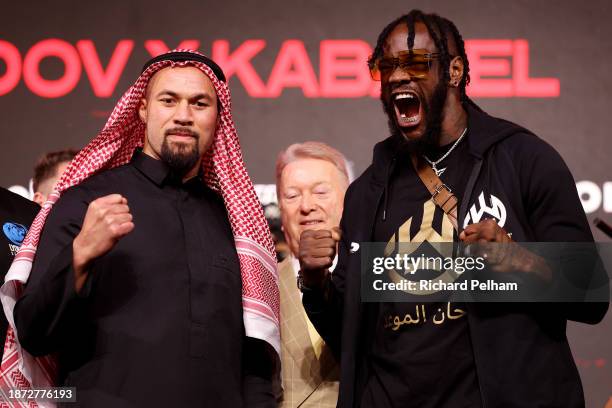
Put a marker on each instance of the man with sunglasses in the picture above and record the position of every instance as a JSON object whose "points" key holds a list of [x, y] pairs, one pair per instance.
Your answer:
{"points": [[448, 173]]}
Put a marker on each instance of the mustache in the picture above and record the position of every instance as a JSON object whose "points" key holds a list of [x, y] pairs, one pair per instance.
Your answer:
{"points": [[182, 131], [389, 88]]}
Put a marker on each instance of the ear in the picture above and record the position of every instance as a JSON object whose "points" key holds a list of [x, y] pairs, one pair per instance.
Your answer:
{"points": [[38, 198], [455, 71], [142, 110]]}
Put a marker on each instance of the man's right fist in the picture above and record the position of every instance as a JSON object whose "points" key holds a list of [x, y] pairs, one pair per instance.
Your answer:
{"points": [[107, 220], [316, 255]]}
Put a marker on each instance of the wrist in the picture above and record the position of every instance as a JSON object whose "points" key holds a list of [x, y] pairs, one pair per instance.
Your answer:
{"points": [[533, 265], [308, 285], [79, 255], [80, 263]]}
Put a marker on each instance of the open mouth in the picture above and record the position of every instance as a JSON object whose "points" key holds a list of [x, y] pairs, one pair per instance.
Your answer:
{"points": [[407, 108]]}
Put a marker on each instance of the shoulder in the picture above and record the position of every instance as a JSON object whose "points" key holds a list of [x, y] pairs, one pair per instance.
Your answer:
{"points": [[530, 152], [101, 180], [360, 183], [521, 144], [75, 199], [525, 141], [541, 172]]}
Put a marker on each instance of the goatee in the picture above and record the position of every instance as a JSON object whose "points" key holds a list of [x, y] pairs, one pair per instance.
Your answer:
{"points": [[180, 157]]}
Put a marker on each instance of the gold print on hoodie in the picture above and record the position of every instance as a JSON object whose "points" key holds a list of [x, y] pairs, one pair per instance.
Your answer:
{"points": [[426, 233]]}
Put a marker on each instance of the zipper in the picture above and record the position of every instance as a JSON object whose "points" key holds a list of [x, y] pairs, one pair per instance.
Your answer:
{"points": [[390, 169], [469, 188], [467, 193]]}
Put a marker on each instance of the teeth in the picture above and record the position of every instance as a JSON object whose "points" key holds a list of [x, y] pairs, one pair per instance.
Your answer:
{"points": [[404, 96], [411, 119]]}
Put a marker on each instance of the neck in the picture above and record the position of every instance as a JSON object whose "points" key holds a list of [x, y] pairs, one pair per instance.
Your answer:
{"points": [[455, 121]]}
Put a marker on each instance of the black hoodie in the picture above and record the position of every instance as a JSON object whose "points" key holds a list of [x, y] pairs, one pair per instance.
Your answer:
{"points": [[521, 352]]}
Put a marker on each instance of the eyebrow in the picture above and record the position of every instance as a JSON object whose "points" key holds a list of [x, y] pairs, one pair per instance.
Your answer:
{"points": [[317, 184], [195, 97]]}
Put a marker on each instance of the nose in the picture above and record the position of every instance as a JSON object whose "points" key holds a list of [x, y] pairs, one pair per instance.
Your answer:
{"points": [[307, 203], [183, 115], [399, 74]]}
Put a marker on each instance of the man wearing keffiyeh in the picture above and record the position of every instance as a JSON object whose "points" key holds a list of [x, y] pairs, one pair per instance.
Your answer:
{"points": [[154, 281]]}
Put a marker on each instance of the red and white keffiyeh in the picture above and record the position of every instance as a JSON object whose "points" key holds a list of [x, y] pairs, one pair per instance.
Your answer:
{"points": [[224, 172]]}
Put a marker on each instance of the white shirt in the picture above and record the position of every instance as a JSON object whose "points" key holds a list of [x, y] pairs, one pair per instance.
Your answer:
{"points": [[296, 264]]}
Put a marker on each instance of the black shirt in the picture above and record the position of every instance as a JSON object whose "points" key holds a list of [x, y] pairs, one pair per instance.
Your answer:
{"points": [[159, 322], [16, 215], [426, 364]]}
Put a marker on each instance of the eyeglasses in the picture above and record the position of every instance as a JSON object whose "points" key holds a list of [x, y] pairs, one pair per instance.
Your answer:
{"points": [[416, 63]]}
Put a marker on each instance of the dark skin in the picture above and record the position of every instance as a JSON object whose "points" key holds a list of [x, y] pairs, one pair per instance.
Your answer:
{"points": [[318, 248], [504, 255], [455, 116]]}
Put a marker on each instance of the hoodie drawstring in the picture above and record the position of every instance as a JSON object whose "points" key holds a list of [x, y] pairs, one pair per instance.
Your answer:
{"points": [[390, 169]]}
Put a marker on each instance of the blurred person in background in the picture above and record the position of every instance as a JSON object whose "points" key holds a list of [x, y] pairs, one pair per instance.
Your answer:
{"points": [[311, 179], [47, 171]]}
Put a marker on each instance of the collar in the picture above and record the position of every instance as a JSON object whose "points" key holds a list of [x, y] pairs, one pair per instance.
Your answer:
{"points": [[159, 173], [155, 170]]}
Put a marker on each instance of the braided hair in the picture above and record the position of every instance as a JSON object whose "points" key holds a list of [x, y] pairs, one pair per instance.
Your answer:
{"points": [[440, 29]]}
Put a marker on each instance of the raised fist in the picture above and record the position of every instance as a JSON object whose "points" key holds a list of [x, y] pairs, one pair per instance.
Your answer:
{"points": [[316, 254], [107, 220]]}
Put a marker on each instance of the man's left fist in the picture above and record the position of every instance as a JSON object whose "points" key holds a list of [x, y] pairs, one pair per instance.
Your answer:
{"points": [[501, 253], [484, 231], [492, 243]]}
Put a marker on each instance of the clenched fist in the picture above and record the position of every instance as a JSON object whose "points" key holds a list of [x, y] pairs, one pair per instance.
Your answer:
{"points": [[501, 253], [107, 220], [316, 255]]}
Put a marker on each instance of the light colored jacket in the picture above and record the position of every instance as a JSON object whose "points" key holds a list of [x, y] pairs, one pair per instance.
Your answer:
{"points": [[308, 381]]}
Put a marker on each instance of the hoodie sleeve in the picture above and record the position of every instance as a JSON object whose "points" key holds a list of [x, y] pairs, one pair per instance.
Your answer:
{"points": [[551, 199], [554, 211]]}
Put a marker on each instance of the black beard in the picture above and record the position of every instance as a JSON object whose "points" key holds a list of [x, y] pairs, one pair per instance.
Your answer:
{"points": [[181, 158], [433, 111]]}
